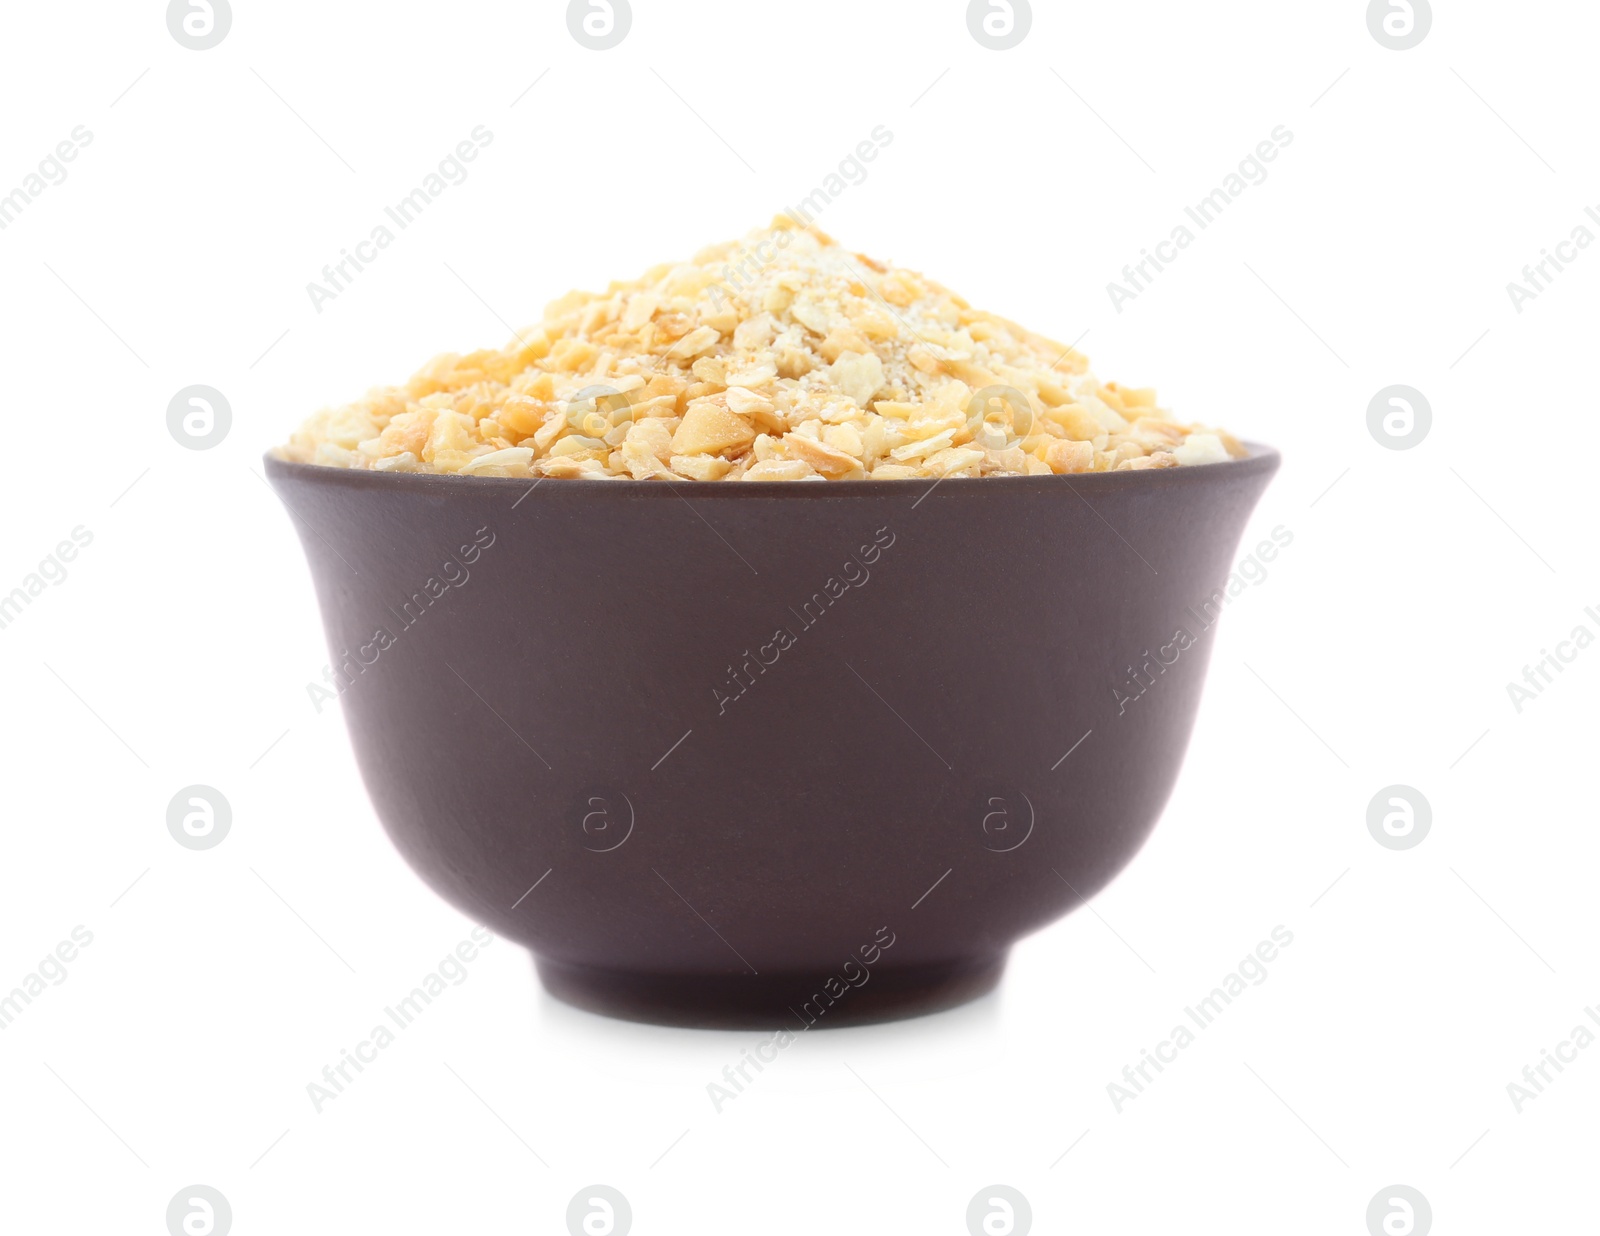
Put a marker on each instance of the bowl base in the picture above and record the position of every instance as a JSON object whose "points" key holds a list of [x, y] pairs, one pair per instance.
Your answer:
{"points": [[770, 1001]]}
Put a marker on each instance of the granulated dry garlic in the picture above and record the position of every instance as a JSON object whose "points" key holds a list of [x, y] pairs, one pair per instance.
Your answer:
{"points": [[779, 358]]}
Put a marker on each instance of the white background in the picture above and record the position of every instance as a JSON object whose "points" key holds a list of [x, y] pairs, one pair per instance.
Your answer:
{"points": [[176, 651]]}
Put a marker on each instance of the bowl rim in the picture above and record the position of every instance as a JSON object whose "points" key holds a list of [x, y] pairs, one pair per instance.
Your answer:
{"points": [[1261, 459]]}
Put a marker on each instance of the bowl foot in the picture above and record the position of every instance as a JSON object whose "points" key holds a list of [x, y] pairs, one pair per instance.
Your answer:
{"points": [[770, 1001]]}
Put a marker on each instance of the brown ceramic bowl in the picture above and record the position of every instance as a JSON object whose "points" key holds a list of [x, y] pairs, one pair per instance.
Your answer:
{"points": [[765, 754]]}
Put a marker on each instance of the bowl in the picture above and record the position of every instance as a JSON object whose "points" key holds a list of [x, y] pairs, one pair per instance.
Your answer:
{"points": [[770, 754]]}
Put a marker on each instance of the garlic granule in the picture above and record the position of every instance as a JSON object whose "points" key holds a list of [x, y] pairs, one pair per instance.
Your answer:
{"points": [[781, 357]]}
